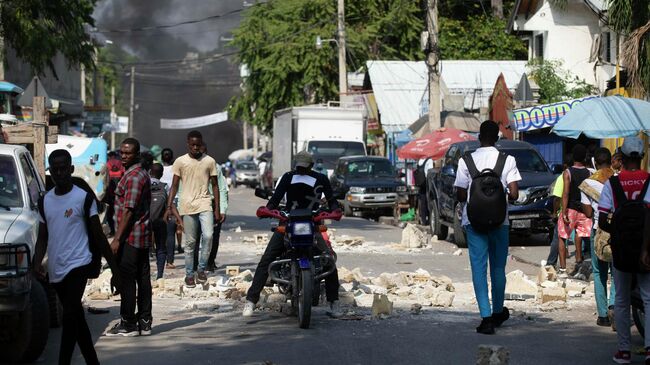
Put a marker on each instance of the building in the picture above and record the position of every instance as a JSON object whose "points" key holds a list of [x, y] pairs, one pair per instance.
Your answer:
{"points": [[578, 35]]}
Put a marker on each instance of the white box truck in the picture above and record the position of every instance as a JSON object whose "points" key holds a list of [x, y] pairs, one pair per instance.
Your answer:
{"points": [[328, 131]]}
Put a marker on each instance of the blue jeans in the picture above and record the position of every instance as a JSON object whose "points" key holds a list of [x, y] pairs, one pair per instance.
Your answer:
{"points": [[492, 246], [171, 240], [622, 305], [191, 224], [600, 270]]}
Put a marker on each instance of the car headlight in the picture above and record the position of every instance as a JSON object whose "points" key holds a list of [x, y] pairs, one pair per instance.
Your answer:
{"points": [[532, 195], [302, 229], [402, 189], [523, 196], [357, 190]]}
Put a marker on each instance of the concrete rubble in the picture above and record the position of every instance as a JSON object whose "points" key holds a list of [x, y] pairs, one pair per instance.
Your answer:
{"points": [[492, 355], [413, 237], [519, 286]]}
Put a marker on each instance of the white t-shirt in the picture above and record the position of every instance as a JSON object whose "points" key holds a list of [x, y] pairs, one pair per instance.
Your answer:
{"points": [[67, 240], [167, 175], [585, 199], [485, 158]]}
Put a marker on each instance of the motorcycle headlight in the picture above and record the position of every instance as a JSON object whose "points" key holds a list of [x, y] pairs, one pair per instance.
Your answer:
{"points": [[402, 189], [302, 229], [357, 190]]}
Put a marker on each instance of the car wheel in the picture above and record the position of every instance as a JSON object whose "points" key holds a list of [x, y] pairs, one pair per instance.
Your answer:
{"points": [[437, 228], [459, 233]]}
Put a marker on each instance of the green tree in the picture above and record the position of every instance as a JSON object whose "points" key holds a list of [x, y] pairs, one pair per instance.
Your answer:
{"points": [[479, 38], [276, 40], [38, 29], [557, 84]]}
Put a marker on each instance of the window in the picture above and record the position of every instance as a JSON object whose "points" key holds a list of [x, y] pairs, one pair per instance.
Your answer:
{"points": [[10, 195], [371, 168], [528, 160], [539, 46], [606, 47], [31, 179]]}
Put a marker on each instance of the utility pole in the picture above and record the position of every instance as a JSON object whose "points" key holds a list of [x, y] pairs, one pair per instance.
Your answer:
{"points": [[255, 142], [343, 71], [113, 118], [432, 64], [245, 135], [82, 80], [132, 103], [497, 8], [2, 58]]}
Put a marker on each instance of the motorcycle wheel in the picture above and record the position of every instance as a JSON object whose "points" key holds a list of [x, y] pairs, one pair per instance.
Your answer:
{"points": [[305, 297], [639, 320]]}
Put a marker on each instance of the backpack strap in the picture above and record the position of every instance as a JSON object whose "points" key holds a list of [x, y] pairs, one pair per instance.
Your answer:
{"points": [[88, 202], [501, 163], [471, 166], [617, 189], [644, 191]]}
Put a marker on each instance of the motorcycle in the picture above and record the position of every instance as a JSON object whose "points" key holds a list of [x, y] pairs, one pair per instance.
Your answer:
{"points": [[298, 272]]}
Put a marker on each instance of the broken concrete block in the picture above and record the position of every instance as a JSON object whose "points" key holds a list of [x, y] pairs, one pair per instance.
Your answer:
{"points": [[403, 292], [492, 355], [276, 298], [519, 287], [458, 252], [381, 305], [347, 299], [358, 276], [443, 281], [99, 296], [232, 270], [552, 306], [547, 273], [416, 308], [245, 276], [413, 237], [550, 284], [553, 294], [261, 239], [345, 275], [575, 285], [574, 294], [444, 299]]}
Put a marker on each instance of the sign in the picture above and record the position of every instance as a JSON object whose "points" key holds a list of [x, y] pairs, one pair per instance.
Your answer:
{"points": [[196, 122], [543, 116], [95, 121]]}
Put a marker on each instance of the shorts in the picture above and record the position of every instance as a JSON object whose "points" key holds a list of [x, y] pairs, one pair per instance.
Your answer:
{"points": [[577, 221]]}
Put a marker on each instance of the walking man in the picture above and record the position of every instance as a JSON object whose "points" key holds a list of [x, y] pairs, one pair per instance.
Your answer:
{"points": [[591, 190], [488, 235], [131, 243], [196, 208], [157, 213], [69, 219], [174, 234]]}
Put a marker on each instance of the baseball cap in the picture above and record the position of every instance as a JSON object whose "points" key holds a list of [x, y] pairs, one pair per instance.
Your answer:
{"points": [[632, 145], [303, 159]]}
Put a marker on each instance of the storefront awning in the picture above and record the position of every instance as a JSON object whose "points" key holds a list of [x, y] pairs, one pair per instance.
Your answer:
{"points": [[543, 116]]}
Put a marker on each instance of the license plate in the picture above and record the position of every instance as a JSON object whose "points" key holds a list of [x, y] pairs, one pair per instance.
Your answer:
{"points": [[522, 223]]}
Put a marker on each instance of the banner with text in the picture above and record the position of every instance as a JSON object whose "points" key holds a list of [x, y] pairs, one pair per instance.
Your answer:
{"points": [[196, 122], [543, 116]]}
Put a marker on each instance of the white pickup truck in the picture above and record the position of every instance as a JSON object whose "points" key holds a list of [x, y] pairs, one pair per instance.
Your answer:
{"points": [[24, 308]]}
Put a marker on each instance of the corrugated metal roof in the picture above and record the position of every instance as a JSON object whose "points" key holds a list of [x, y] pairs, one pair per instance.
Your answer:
{"points": [[398, 87]]}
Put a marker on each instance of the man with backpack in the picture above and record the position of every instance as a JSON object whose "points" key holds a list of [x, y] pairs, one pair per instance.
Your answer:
{"points": [[626, 197], [156, 214], [486, 173], [420, 177], [72, 235]]}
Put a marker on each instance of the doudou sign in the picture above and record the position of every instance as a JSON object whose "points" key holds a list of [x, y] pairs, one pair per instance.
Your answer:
{"points": [[543, 116]]}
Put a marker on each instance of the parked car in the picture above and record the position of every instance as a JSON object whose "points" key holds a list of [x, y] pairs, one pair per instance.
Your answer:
{"points": [[531, 213], [246, 173], [366, 183], [24, 308]]}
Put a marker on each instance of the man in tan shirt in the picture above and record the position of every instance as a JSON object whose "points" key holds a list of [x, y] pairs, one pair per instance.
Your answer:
{"points": [[195, 205]]}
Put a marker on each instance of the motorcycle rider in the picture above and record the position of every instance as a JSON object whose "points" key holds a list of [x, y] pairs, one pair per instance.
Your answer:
{"points": [[303, 188]]}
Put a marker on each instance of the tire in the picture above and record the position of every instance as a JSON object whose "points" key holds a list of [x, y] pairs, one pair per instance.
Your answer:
{"points": [[31, 331], [305, 297], [437, 228], [459, 233], [347, 210], [318, 289], [639, 320]]}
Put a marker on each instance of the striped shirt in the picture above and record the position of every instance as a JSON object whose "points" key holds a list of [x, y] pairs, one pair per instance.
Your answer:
{"points": [[134, 192]]}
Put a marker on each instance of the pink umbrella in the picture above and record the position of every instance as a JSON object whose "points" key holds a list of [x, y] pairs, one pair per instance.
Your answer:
{"points": [[433, 145]]}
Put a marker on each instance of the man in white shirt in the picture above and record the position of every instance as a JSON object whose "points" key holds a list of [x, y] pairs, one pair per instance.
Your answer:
{"points": [[492, 244]]}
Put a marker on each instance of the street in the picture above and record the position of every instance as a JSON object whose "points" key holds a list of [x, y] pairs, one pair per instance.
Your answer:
{"points": [[191, 331]]}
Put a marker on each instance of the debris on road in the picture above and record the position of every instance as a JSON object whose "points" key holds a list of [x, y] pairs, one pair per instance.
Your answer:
{"points": [[458, 252], [519, 286], [381, 306], [232, 270], [492, 355], [413, 237]]}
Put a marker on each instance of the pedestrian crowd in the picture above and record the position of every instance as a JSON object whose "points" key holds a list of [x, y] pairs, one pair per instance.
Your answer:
{"points": [[600, 204]]}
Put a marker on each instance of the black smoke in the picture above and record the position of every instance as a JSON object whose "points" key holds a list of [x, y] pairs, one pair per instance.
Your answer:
{"points": [[202, 84]]}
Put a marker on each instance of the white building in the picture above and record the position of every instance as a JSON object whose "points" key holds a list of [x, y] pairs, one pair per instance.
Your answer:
{"points": [[577, 35]]}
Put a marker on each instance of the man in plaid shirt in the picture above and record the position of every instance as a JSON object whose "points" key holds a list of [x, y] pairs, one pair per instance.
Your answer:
{"points": [[131, 243]]}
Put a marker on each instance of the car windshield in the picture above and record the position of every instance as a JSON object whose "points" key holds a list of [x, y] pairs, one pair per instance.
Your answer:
{"points": [[246, 166], [10, 195], [528, 160], [370, 168], [328, 152]]}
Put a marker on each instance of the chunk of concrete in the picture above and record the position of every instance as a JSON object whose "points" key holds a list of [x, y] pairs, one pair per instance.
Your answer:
{"points": [[492, 355], [547, 273], [347, 299], [519, 286], [276, 298], [553, 294], [232, 270], [416, 308], [381, 305], [413, 237], [244, 276], [444, 299]]}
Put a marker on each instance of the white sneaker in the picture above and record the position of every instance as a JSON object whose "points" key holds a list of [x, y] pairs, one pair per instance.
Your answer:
{"points": [[562, 274], [249, 307], [335, 309]]}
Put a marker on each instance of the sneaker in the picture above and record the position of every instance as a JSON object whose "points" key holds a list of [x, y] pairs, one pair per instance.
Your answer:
{"points": [[486, 327], [622, 357], [249, 307], [499, 318], [201, 277], [334, 309], [603, 322], [610, 315], [562, 274], [145, 327], [189, 282], [124, 329]]}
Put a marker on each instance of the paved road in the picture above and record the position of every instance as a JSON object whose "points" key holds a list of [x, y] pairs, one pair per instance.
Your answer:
{"points": [[437, 336]]}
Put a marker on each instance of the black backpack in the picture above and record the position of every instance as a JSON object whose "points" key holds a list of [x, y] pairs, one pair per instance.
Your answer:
{"points": [[487, 205], [158, 201], [420, 175], [95, 266], [627, 228]]}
